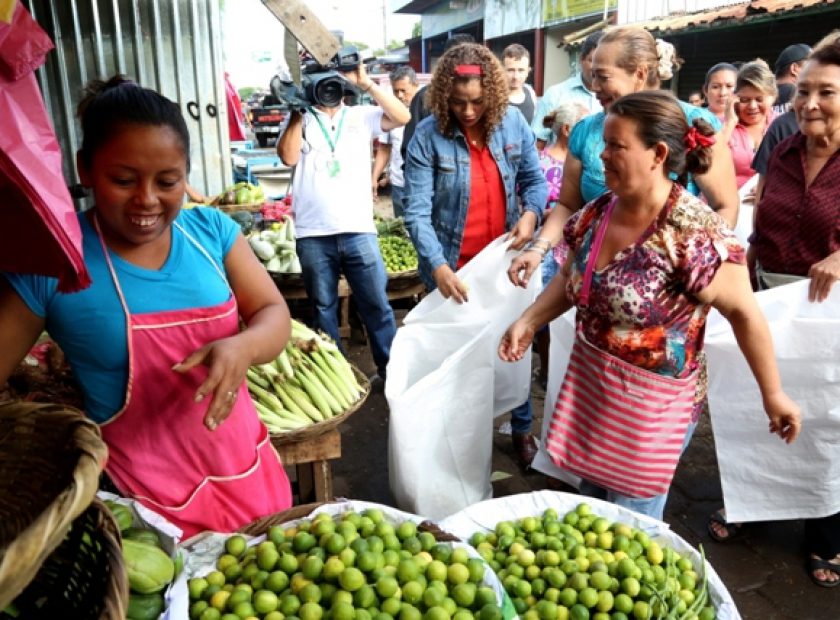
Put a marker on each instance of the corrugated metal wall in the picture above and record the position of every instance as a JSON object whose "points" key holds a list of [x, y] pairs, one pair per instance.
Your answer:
{"points": [[172, 46]]}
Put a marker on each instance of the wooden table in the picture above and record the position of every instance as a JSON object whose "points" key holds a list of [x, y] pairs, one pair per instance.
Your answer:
{"points": [[311, 459]]}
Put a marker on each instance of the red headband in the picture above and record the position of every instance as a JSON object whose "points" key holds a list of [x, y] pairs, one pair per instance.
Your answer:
{"points": [[463, 70], [694, 139]]}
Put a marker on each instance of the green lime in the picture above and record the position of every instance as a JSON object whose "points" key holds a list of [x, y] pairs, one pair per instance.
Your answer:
{"points": [[409, 612], [310, 593], [366, 561], [387, 587], [457, 573], [641, 610], [365, 597], [412, 544], [464, 594], [391, 606], [433, 597], [310, 611], [196, 587], [406, 529], [239, 596], [485, 596], [211, 613], [442, 552], [427, 539], [412, 592], [312, 567], [342, 611], [348, 557], [588, 597], [244, 610], [490, 611], [289, 604], [600, 580], [407, 570], [288, 563], [707, 613], [547, 610], [197, 608], [436, 613], [605, 602], [351, 579], [236, 545], [578, 612], [568, 597], [335, 543]]}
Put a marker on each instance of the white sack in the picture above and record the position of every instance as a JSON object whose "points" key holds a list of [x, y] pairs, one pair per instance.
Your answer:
{"points": [[744, 225], [440, 436], [763, 478], [494, 300], [562, 331], [484, 516]]}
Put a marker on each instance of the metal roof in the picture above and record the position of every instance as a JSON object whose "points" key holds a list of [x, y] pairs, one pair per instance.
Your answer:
{"points": [[723, 16], [727, 15]]}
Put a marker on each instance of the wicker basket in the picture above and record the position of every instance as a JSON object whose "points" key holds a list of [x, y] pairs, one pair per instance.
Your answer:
{"points": [[408, 274], [314, 430], [85, 577], [253, 207], [51, 457]]}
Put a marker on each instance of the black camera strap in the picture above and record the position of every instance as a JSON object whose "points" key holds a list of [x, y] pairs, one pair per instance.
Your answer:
{"points": [[333, 167]]}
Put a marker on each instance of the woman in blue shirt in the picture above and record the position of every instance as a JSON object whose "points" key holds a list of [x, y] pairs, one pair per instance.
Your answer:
{"points": [[627, 60]]}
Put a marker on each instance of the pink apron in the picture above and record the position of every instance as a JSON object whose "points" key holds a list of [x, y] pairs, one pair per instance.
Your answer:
{"points": [[160, 451]]}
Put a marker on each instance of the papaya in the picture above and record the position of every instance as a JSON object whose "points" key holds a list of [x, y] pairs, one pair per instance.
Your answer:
{"points": [[144, 606], [122, 515], [149, 568], [142, 535]]}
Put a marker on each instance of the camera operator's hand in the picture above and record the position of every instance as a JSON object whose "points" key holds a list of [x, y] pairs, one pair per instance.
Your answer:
{"points": [[359, 77]]}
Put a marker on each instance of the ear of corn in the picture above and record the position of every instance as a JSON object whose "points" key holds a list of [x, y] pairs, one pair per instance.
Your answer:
{"points": [[309, 382]]}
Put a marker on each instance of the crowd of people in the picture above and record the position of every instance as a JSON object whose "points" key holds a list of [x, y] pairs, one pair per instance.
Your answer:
{"points": [[624, 195]]}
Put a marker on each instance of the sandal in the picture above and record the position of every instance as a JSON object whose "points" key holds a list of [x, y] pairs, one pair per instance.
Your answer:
{"points": [[733, 530], [815, 564]]}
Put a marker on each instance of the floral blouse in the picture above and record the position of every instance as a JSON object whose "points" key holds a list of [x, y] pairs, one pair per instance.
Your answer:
{"points": [[642, 306], [553, 170]]}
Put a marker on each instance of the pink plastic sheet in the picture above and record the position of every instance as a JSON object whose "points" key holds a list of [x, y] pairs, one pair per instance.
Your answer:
{"points": [[39, 232]]}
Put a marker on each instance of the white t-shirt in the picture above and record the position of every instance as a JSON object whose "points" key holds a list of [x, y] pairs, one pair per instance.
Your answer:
{"points": [[395, 163], [331, 191]]}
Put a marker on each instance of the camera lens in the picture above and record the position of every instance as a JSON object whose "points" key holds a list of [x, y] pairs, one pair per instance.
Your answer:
{"points": [[329, 92]]}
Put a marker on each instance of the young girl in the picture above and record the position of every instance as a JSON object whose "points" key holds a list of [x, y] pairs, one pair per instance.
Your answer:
{"points": [[155, 342]]}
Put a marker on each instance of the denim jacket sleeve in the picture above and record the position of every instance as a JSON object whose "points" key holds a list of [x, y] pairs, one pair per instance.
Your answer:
{"points": [[419, 194], [530, 179]]}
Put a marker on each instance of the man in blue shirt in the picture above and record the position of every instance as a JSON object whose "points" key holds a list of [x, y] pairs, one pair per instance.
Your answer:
{"points": [[576, 88]]}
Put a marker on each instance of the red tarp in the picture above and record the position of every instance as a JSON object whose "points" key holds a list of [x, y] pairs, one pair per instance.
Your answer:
{"points": [[39, 232]]}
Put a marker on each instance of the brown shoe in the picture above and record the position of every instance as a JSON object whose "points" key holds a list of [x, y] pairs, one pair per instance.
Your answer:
{"points": [[524, 448]]}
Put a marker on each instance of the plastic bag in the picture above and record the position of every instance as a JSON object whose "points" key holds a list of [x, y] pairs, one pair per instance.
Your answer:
{"points": [[764, 479], [440, 436], [494, 300], [41, 233]]}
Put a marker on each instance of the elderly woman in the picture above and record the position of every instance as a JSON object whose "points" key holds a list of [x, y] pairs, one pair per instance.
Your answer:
{"points": [[627, 60], [749, 115], [797, 235], [468, 167], [646, 262]]}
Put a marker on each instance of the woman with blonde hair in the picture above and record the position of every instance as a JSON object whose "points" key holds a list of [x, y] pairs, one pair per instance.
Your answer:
{"points": [[468, 168], [627, 60], [748, 116]]}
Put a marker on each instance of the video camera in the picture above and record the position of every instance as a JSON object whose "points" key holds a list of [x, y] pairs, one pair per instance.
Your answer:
{"points": [[320, 84]]}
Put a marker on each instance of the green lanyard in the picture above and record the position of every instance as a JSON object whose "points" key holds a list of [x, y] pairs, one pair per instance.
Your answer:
{"points": [[333, 167]]}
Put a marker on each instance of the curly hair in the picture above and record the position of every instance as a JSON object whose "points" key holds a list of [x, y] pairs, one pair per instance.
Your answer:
{"points": [[493, 82]]}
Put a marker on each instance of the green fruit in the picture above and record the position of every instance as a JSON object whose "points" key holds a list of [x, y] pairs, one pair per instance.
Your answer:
{"points": [[144, 606], [140, 534], [149, 568], [122, 515]]}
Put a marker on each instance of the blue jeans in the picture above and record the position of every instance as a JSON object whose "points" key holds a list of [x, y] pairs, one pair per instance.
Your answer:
{"points": [[397, 194], [650, 506], [357, 256], [520, 418]]}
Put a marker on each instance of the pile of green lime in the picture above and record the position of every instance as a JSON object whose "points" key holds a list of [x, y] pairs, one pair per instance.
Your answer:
{"points": [[398, 253], [355, 566], [583, 567]]}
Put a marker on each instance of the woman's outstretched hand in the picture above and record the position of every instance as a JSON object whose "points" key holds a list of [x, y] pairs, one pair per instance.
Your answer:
{"points": [[227, 361], [516, 341], [785, 420], [449, 285]]}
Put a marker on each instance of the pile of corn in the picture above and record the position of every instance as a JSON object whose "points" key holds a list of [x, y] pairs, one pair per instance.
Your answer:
{"points": [[309, 382]]}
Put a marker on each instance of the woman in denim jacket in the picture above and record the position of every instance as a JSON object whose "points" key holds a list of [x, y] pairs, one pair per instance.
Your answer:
{"points": [[472, 173]]}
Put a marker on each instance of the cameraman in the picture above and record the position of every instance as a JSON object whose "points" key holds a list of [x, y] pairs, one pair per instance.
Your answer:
{"points": [[333, 207]]}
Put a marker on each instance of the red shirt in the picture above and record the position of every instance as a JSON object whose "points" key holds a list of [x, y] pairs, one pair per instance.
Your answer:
{"points": [[796, 226], [486, 211]]}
